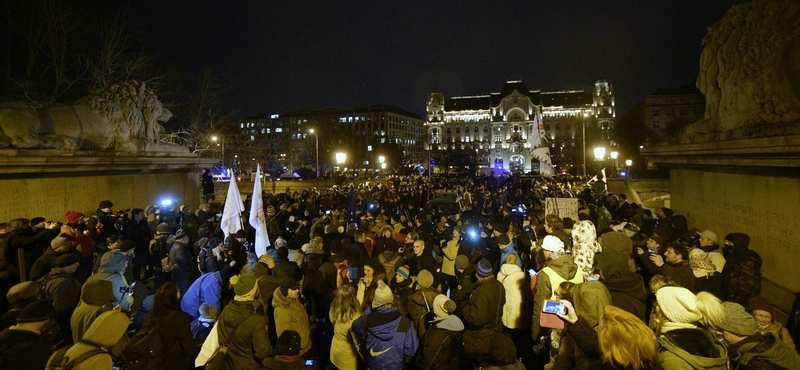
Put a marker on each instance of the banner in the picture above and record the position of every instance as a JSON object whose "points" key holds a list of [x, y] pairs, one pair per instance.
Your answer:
{"points": [[231, 221], [562, 207], [257, 220]]}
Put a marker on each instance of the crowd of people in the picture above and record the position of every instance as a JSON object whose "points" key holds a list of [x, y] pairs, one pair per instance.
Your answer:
{"points": [[411, 273]]}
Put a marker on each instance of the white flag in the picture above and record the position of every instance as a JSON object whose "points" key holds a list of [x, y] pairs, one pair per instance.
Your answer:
{"points": [[231, 221], [257, 216], [540, 149]]}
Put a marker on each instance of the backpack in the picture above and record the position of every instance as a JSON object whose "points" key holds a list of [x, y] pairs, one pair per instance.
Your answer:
{"points": [[60, 362], [219, 360], [158, 248], [145, 351]]}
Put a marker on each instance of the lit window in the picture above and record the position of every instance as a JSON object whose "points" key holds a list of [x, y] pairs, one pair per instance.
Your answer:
{"points": [[242, 125], [269, 130], [278, 129], [369, 148], [252, 138], [274, 116]]}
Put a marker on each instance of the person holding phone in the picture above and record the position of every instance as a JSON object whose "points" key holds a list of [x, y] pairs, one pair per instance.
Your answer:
{"points": [[675, 266]]}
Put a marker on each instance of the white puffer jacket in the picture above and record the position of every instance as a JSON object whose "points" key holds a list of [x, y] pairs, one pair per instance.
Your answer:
{"points": [[518, 292]]}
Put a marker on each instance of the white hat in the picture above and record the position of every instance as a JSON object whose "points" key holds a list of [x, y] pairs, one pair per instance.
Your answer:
{"points": [[552, 244], [678, 304], [710, 235]]}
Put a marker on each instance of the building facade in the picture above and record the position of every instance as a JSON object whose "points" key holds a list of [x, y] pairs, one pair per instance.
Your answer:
{"points": [[667, 111], [496, 130], [286, 142]]}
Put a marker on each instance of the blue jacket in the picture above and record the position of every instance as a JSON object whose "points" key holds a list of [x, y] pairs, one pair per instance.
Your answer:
{"points": [[209, 288], [510, 249], [390, 338]]}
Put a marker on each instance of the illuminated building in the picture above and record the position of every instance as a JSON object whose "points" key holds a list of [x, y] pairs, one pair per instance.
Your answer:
{"points": [[497, 127]]}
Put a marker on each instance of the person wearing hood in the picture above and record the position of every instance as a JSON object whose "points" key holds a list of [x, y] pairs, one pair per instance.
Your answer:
{"points": [[518, 295], [105, 332], [748, 348], [627, 288], [180, 256], [111, 267], [24, 346], [97, 297], [585, 245], [290, 314], [742, 271], [291, 269], [579, 346], [390, 260], [63, 289], [762, 311], [559, 267], [241, 328], [441, 343], [387, 336], [686, 342], [507, 247]]}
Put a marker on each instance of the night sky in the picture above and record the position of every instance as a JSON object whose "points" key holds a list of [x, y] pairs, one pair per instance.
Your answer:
{"points": [[279, 55]]}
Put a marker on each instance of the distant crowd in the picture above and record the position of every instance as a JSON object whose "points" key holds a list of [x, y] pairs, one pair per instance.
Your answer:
{"points": [[413, 273]]}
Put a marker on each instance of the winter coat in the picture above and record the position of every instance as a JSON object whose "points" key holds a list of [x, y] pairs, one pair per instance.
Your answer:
{"points": [[742, 271], [106, 331], [290, 314], [313, 262], [111, 265], [449, 254], [388, 337], [485, 306], [461, 294], [518, 296], [628, 293], [713, 283], [419, 303], [441, 345], [343, 351], [756, 350], [47, 262], [691, 349], [585, 245], [175, 330], [566, 268], [390, 265], [23, 350], [206, 289], [579, 346], [426, 261], [181, 255], [96, 298], [63, 289], [32, 242], [509, 249], [244, 332], [326, 283]]}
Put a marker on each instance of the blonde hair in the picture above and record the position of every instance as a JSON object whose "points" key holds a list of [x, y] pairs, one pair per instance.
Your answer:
{"points": [[345, 306], [511, 259], [625, 341], [660, 281]]}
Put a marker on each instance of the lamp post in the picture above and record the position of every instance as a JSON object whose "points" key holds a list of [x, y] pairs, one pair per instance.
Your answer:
{"points": [[340, 158], [599, 154], [583, 137], [614, 156], [629, 163], [316, 139]]}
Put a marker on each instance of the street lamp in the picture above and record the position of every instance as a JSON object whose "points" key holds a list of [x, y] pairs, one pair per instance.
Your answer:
{"points": [[383, 166], [316, 138], [614, 155], [214, 138], [381, 159], [599, 153], [628, 162]]}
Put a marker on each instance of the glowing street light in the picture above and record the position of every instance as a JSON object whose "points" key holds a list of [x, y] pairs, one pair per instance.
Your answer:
{"points": [[381, 159], [628, 162], [614, 155], [340, 157], [383, 166], [599, 153]]}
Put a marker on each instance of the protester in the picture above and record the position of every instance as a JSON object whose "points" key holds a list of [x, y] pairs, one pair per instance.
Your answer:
{"points": [[344, 310], [91, 352], [748, 348], [23, 346], [290, 313]]}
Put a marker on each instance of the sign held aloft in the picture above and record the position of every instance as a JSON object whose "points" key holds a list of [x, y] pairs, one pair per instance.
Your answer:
{"points": [[562, 207]]}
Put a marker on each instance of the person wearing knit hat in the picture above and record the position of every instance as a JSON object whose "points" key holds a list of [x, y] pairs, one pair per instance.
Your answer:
{"points": [[616, 242], [105, 204], [384, 337], [244, 286], [290, 314], [443, 338], [685, 345], [763, 312], [443, 306], [484, 268], [73, 218], [420, 301], [737, 326], [162, 228], [23, 346], [462, 262], [559, 266], [424, 279], [552, 244], [484, 308]]}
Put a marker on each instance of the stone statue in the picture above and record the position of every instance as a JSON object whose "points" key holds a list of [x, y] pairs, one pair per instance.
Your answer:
{"points": [[750, 68], [122, 117]]}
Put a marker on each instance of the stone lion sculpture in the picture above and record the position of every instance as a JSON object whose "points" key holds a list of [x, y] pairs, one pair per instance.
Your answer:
{"points": [[125, 117], [750, 67]]}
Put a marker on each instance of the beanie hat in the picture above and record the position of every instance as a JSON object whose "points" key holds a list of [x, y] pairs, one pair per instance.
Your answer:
{"points": [[37, 311], [484, 268], [680, 305], [425, 279], [383, 295], [58, 241], [500, 228], [659, 240], [270, 209], [503, 239], [616, 242], [552, 244], [288, 343], [22, 291], [73, 217], [289, 284], [404, 270], [280, 242], [207, 311], [68, 259], [37, 220], [283, 254], [760, 303], [736, 320], [126, 245], [443, 306], [181, 233], [710, 235], [162, 228], [243, 284], [462, 262], [105, 204], [239, 234]]}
